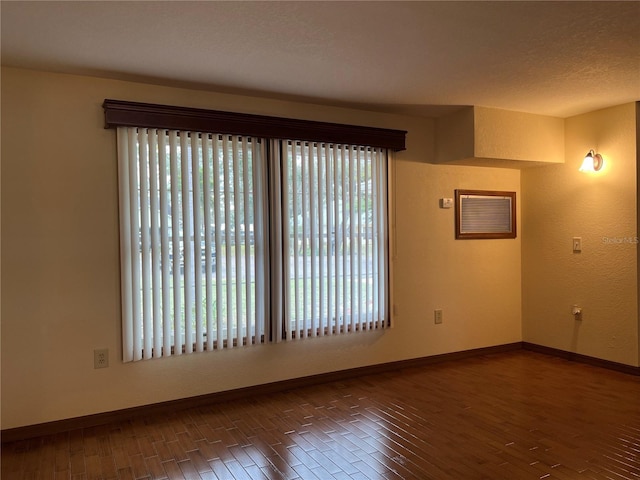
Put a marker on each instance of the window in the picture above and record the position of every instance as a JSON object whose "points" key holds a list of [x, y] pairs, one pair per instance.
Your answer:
{"points": [[234, 239], [334, 235]]}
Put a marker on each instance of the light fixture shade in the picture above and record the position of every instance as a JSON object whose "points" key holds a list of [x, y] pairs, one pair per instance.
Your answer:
{"points": [[592, 162]]}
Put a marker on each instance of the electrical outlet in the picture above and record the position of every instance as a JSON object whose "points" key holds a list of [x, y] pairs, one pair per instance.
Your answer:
{"points": [[101, 358], [437, 316]]}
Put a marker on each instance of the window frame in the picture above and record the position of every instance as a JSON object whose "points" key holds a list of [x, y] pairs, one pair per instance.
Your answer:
{"points": [[162, 117]]}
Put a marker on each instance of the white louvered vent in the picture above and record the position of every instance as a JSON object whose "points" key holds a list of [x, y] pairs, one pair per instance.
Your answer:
{"points": [[485, 214]]}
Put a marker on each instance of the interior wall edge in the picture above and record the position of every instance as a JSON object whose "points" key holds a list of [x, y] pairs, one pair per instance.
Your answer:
{"points": [[580, 358]]}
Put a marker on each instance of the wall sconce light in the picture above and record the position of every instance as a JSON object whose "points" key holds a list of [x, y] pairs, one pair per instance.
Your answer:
{"points": [[592, 162]]}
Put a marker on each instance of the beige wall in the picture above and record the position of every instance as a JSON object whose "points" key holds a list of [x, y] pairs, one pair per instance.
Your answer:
{"points": [[493, 137], [60, 266], [559, 202], [518, 136]]}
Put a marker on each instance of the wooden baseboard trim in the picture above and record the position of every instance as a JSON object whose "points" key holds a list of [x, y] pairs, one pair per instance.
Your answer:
{"points": [[50, 428], [578, 357]]}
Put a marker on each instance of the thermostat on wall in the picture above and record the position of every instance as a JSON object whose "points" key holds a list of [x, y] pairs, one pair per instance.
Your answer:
{"points": [[446, 202]]}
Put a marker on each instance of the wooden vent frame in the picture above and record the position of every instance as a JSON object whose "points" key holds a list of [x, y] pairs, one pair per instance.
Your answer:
{"points": [[485, 214]]}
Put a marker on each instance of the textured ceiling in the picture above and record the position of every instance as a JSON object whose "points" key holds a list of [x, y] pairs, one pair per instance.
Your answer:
{"points": [[551, 58]]}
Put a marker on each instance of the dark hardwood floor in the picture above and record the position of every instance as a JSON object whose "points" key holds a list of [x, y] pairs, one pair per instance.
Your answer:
{"points": [[514, 415]]}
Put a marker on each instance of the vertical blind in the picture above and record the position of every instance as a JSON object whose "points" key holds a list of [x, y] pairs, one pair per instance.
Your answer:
{"points": [[334, 239], [231, 241], [190, 205]]}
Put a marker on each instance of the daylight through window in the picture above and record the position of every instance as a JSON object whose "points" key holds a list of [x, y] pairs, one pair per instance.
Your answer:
{"points": [[232, 240]]}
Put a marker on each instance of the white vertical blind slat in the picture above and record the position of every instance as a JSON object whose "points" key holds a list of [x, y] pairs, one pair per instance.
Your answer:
{"points": [[145, 241], [187, 245], [275, 275], [336, 238], [367, 239], [374, 243], [126, 261], [320, 240], [208, 240], [288, 244], [196, 164], [330, 237], [352, 240], [313, 250], [165, 245], [358, 186], [156, 274], [383, 240], [261, 243], [343, 238], [296, 241], [175, 247], [227, 240], [237, 212], [219, 222], [246, 210], [305, 237], [135, 246]]}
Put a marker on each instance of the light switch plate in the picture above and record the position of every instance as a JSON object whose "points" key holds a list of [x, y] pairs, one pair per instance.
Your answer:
{"points": [[577, 244], [446, 202]]}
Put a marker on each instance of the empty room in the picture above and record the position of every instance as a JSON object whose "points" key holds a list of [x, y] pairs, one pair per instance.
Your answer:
{"points": [[320, 240]]}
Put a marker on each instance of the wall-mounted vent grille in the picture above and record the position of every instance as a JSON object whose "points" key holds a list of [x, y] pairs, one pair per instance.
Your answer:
{"points": [[485, 214]]}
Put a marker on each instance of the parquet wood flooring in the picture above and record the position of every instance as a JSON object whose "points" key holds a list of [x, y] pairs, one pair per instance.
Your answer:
{"points": [[515, 415]]}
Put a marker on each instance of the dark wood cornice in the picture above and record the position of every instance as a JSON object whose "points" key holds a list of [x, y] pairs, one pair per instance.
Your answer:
{"points": [[134, 114]]}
